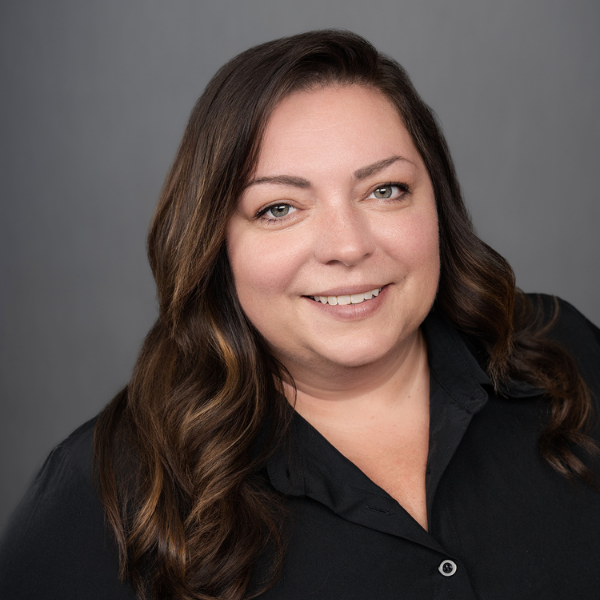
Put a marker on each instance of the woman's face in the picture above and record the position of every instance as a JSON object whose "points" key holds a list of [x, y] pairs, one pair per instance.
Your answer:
{"points": [[334, 244]]}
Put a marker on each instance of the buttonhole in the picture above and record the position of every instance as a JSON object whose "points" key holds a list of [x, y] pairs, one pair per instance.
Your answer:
{"points": [[379, 510], [287, 473]]}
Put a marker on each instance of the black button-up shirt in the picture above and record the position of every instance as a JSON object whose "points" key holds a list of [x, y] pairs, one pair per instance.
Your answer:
{"points": [[502, 524]]}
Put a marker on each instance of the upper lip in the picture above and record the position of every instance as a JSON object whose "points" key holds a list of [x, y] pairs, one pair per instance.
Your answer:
{"points": [[349, 290]]}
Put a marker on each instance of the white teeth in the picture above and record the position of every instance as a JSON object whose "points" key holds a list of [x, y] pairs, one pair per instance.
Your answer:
{"points": [[347, 299]]}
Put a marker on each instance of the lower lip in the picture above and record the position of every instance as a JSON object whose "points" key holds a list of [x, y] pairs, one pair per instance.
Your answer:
{"points": [[352, 312]]}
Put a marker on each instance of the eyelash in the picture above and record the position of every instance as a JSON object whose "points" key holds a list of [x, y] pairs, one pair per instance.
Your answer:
{"points": [[403, 187], [260, 215]]}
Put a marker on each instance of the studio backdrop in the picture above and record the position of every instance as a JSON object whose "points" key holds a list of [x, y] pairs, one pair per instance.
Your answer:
{"points": [[94, 99]]}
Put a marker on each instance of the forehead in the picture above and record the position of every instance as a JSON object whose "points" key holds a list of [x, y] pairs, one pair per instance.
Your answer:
{"points": [[331, 123]]}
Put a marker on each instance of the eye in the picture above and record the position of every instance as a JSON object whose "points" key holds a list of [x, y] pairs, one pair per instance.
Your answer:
{"points": [[389, 191], [275, 212]]}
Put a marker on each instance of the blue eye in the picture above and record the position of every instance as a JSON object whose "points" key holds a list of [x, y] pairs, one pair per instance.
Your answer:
{"points": [[385, 191], [279, 210], [275, 212], [389, 191]]}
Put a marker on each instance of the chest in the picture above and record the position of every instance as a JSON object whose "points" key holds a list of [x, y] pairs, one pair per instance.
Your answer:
{"points": [[513, 528], [394, 456]]}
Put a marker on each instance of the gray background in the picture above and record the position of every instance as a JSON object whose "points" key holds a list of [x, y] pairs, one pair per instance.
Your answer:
{"points": [[95, 96]]}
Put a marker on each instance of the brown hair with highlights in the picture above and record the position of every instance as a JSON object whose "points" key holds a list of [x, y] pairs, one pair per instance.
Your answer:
{"points": [[181, 450]]}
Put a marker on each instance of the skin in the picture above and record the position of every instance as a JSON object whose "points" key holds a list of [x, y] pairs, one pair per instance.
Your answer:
{"points": [[319, 219]]}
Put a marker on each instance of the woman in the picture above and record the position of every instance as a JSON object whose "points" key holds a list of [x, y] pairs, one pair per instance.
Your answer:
{"points": [[344, 395]]}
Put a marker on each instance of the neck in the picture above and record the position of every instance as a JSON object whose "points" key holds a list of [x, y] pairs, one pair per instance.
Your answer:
{"points": [[343, 395]]}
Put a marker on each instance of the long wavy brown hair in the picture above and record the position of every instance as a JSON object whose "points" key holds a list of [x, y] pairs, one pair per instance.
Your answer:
{"points": [[181, 450]]}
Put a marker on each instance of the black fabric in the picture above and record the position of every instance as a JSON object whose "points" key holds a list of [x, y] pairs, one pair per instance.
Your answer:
{"points": [[502, 523], [56, 545]]}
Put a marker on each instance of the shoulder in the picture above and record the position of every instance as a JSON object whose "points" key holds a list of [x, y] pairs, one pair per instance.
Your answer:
{"points": [[56, 544], [73, 458], [575, 333], [570, 326]]}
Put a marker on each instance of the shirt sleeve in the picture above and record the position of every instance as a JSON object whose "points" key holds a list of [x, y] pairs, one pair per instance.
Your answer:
{"points": [[56, 545], [582, 339]]}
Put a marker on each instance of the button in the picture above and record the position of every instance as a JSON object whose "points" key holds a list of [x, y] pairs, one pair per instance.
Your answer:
{"points": [[447, 568]]}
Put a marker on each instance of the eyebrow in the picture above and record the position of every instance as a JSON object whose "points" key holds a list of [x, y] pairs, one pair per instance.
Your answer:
{"points": [[376, 167], [300, 182], [282, 180]]}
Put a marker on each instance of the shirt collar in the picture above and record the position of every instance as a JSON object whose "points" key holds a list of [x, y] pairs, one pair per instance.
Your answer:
{"points": [[452, 364], [306, 464]]}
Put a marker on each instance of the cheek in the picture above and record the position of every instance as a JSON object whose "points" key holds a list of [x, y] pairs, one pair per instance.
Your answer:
{"points": [[426, 246], [414, 242], [261, 268]]}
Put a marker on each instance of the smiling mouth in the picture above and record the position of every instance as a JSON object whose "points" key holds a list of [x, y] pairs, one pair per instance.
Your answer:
{"points": [[347, 299]]}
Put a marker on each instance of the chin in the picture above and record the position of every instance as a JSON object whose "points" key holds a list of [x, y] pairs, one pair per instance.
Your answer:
{"points": [[356, 357]]}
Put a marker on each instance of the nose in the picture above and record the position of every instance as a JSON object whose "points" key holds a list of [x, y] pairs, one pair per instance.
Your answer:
{"points": [[343, 236]]}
